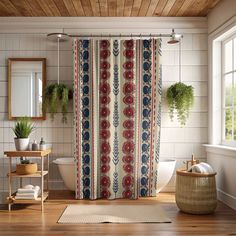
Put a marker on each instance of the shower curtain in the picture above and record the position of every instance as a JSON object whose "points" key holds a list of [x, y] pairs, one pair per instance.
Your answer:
{"points": [[117, 116]]}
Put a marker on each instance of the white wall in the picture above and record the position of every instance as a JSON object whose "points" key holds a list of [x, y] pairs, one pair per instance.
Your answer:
{"points": [[223, 160], [176, 142], [221, 13], [221, 23], [28, 39], [35, 45]]}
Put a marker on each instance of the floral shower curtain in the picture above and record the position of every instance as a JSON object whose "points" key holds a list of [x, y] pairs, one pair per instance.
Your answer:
{"points": [[117, 105]]}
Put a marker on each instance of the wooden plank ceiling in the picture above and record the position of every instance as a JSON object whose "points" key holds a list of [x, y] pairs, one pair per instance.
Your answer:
{"points": [[106, 7]]}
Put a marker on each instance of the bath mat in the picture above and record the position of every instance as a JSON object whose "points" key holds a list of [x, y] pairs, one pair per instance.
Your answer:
{"points": [[125, 214]]}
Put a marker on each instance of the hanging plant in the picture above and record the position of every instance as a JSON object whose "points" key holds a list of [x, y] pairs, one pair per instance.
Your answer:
{"points": [[56, 98], [180, 97]]}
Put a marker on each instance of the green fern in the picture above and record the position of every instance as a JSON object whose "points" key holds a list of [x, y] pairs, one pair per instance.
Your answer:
{"points": [[56, 97], [180, 97], [64, 104]]}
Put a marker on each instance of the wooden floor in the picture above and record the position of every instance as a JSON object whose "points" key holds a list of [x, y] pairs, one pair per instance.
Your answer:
{"points": [[28, 220]]}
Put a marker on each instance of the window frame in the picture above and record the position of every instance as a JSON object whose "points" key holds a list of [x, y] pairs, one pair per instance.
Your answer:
{"points": [[232, 38]]}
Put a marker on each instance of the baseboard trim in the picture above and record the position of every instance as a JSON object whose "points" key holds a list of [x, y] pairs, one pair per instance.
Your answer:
{"points": [[226, 198]]}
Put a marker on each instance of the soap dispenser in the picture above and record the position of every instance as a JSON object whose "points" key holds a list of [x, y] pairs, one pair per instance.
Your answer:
{"points": [[35, 146], [42, 145]]}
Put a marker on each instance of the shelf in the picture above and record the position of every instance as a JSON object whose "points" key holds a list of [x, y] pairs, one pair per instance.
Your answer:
{"points": [[27, 153], [39, 174], [35, 175], [28, 201]]}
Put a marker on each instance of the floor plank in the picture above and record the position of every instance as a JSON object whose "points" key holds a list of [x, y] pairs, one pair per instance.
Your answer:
{"points": [[28, 220]]}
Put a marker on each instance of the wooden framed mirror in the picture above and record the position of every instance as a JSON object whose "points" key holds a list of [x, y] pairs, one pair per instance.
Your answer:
{"points": [[26, 83]]}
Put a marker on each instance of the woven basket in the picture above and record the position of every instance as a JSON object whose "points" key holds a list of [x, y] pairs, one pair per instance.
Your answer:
{"points": [[195, 192], [26, 169]]}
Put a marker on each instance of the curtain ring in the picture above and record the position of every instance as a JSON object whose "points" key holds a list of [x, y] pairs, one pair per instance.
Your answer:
{"points": [[131, 36]]}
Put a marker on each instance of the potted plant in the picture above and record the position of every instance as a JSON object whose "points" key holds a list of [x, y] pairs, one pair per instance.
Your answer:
{"points": [[56, 97], [23, 128], [26, 167], [180, 97]]}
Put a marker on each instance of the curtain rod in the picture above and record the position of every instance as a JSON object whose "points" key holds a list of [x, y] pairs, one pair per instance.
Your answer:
{"points": [[120, 35], [63, 36]]}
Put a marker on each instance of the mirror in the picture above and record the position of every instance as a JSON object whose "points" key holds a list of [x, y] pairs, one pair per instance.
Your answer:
{"points": [[26, 83]]}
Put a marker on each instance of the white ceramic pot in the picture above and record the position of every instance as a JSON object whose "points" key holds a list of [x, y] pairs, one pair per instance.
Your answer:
{"points": [[22, 144]]}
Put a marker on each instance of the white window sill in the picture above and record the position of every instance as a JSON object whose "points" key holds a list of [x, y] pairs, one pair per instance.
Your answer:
{"points": [[221, 149]]}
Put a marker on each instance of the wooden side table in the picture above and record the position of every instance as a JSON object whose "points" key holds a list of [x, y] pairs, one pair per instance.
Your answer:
{"points": [[39, 174]]}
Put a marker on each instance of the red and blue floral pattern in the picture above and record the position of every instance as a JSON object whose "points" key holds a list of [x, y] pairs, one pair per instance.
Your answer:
{"points": [[117, 86], [105, 91], [129, 112]]}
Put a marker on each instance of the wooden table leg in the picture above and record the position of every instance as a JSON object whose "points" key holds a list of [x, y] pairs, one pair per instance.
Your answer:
{"points": [[42, 182], [48, 172], [9, 184]]}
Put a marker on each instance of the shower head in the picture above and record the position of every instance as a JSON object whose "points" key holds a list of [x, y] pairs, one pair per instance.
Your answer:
{"points": [[173, 41], [55, 36], [174, 38]]}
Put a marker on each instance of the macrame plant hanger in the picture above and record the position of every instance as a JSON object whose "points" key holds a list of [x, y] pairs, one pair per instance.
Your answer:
{"points": [[58, 37], [56, 94], [180, 72]]}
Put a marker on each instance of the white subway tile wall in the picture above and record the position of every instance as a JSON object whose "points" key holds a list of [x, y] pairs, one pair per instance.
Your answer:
{"points": [[176, 142], [58, 134]]}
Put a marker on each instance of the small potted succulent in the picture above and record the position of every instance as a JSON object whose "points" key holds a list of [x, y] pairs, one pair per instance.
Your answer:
{"points": [[23, 128], [180, 98]]}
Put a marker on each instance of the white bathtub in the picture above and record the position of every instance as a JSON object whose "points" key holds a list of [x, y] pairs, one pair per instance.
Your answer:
{"points": [[166, 169], [67, 170]]}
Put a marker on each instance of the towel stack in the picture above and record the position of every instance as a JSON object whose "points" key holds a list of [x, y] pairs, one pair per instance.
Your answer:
{"points": [[28, 192], [202, 167]]}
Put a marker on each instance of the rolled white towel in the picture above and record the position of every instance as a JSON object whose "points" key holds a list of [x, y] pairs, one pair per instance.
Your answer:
{"points": [[196, 169], [201, 168], [28, 190], [207, 167], [36, 192], [28, 195], [28, 186], [25, 198]]}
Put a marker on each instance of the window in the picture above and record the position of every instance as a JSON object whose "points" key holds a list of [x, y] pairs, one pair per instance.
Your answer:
{"points": [[229, 90]]}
